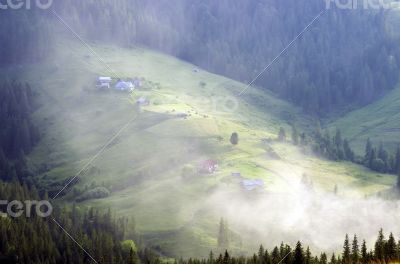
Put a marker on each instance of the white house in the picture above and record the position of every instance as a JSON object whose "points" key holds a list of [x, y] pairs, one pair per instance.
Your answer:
{"points": [[104, 79], [103, 82]]}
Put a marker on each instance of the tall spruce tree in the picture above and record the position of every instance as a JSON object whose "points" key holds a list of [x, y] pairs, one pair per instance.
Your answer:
{"points": [[397, 161], [380, 246], [355, 251], [398, 183], [298, 257], [346, 256], [282, 135], [391, 249], [333, 259], [368, 150], [295, 135], [223, 238], [364, 253]]}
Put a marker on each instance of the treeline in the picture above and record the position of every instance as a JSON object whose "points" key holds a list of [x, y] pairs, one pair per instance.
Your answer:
{"points": [[18, 134], [40, 240], [384, 251], [337, 148], [321, 143], [379, 159], [332, 147], [347, 56]]}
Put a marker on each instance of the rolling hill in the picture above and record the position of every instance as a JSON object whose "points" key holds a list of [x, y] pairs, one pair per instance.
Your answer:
{"points": [[379, 121], [148, 168]]}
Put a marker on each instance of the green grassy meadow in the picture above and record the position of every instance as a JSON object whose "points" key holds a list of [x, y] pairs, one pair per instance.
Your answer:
{"points": [[142, 168], [379, 121]]}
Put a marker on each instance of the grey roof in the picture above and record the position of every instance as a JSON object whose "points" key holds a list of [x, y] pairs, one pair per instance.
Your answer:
{"points": [[124, 85], [252, 184]]}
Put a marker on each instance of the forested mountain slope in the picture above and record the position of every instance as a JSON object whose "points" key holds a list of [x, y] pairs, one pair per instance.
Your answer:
{"points": [[347, 56]]}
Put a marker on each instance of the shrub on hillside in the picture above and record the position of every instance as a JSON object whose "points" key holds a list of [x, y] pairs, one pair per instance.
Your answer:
{"points": [[234, 138]]}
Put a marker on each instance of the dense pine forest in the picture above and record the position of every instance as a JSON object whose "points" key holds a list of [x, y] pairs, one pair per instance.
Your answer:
{"points": [[18, 134], [41, 240]]}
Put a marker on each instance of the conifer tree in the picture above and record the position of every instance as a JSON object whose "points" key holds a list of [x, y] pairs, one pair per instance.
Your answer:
{"points": [[397, 161], [348, 152], [308, 256], [323, 259], [368, 150], [282, 135], [261, 254], [298, 257], [295, 135], [223, 239], [335, 189], [380, 246], [267, 258], [303, 139], [346, 256], [275, 256], [364, 253], [391, 249], [398, 182], [333, 259], [355, 251]]}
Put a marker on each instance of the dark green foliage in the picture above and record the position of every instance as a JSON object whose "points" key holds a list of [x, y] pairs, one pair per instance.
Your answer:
{"points": [[380, 160], [348, 152], [380, 243], [346, 256], [24, 37], [18, 135], [223, 235], [333, 148], [368, 151], [234, 138], [391, 253], [298, 257], [337, 148], [39, 240], [364, 253], [355, 251], [398, 183], [282, 135], [396, 165], [295, 135]]}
